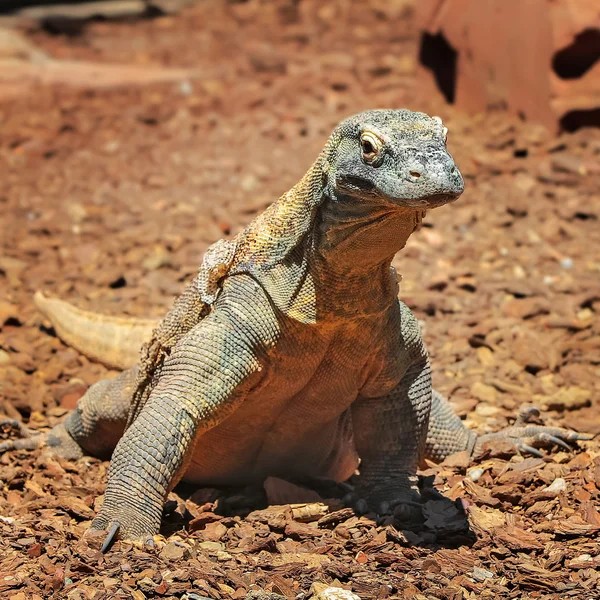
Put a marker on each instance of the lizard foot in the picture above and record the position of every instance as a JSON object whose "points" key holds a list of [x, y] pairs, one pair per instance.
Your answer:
{"points": [[399, 497], [57, 440], [30, 439], [527, 438], [124, 523], [108, 536]]}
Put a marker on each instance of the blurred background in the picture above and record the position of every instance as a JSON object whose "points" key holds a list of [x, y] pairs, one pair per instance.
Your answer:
{"points": [[134, 133]]}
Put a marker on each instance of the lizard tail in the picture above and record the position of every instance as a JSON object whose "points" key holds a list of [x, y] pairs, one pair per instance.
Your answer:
{"points": [[114, 341]]}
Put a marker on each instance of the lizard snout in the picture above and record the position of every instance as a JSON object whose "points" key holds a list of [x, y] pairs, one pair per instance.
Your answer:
{"points": [[435, 177]]}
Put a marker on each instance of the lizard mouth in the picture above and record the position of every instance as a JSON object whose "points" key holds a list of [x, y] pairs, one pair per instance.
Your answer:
{"points": [[438, 200], [367, 190]]}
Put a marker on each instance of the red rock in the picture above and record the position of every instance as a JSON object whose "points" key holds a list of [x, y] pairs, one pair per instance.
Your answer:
{"points": [[544, 72]]}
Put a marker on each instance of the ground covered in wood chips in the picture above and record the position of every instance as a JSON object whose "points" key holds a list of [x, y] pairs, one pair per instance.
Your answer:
{"points": [[108, 198]]}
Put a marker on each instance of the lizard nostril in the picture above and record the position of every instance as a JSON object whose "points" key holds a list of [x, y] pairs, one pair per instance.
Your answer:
{"points": [[453, 170], [415, 174]]}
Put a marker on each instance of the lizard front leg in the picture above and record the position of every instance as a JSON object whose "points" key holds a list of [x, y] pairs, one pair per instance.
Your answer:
{"points": [[199, 385], [390, 433]]}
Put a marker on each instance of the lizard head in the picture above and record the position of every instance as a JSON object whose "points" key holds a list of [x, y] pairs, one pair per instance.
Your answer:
{"points": [[395, 157]]}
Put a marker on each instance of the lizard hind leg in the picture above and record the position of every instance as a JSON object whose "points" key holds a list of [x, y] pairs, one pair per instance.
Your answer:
{"points": [[99, 419], [94, 427], [57, 440]]}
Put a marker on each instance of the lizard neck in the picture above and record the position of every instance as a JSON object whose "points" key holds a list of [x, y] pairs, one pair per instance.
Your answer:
{"points": [[314, 251], [352, 249], [354, 237]]}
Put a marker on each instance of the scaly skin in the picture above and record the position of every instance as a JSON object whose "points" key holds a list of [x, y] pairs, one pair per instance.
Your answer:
{"points": [[114, 341], [289, 353]]}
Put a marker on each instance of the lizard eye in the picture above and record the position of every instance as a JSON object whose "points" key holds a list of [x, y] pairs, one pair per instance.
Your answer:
{"points": [[372, 148]]}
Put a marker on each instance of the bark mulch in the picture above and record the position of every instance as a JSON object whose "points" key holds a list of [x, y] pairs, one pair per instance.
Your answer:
{"points": [[110, 194]]}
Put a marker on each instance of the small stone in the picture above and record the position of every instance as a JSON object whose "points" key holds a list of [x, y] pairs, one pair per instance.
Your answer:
{"points": [[7, 520], [255, 594], [566, 263], [321, 591], [558, 485], [77, 212], [213, 532], [186, 88], [475, 474], [524, 182], [586, 314], [480, 574], [519, 272]]}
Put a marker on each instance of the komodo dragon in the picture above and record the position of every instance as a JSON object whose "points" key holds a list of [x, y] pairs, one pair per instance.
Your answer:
{"points": [[289, 353]]}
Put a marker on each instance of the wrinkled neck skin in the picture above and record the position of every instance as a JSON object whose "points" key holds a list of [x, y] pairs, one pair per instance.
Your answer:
{"points": [[354, 243], [324, 257], [355, 236]]}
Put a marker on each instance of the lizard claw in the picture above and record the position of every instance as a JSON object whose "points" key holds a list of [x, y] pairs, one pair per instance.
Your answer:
{"points": [[57, 440], [527, 438], [110, 536], [26, 444], [30, 439], [16, 424], [527, 449], [403, 509], [397, 498], [530, 415], [114, 531], [126, 523], [552, 439], [359, 505]]}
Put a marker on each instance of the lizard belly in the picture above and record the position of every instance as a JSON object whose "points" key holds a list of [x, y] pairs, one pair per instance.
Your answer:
{"points": [[297, 422]]}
